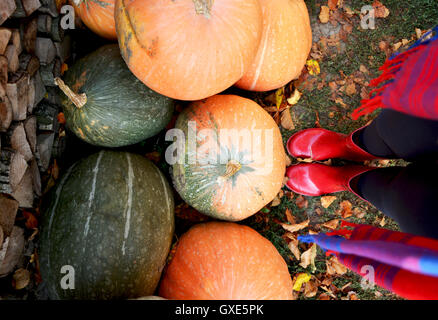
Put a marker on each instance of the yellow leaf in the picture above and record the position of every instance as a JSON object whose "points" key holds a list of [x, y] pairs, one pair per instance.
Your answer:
{"points": [[327, 201], [295, 227], [324, 15], [286, 120], [293, 100], [279, 94], [308, 258], [301, 279], [21, 279], [313, 67]]}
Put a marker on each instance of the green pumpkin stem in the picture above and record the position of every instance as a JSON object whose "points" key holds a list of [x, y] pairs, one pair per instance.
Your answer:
{"points": [[203, 7], [79, 100], [233, 167]]}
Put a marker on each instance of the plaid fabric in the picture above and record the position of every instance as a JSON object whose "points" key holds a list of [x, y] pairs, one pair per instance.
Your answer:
{"points": [[409, 82], [403, 263]]}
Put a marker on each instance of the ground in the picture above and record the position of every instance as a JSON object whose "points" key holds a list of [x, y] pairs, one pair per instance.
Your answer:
{"points": [[348, 58]]}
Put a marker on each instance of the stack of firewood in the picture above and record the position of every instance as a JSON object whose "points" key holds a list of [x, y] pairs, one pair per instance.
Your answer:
{"points": [[33, 49]]}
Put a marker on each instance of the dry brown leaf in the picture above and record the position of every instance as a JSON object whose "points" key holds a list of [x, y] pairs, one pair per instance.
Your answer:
{"points": [[351, 89], [324, 15], [310, 289], [359, 213], [332, 224], [327, 201], [363, 69], [335, 267], [293, 100], [345, 209], [382, 222], [276, 202], [289, 217], [288, 161], [301, 202], [286, 120], [380, 11], [308, 257], [418, 33], [293, 247], [352, 295], [21, 279], [324, 296], [296, 227], [332, 4]]}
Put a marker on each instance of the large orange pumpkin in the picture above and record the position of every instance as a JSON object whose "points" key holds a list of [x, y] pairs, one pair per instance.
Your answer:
{"points": [[226, 261], [188, 49], [98, 15], [239, 163], [284, 47]]}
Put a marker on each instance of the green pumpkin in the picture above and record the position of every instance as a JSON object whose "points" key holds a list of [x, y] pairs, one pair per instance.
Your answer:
{"points": [[111, 219], [106, 105]]}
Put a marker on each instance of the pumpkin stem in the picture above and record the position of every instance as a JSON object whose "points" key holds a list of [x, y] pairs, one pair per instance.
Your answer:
{"points": [[232, 167], [79, 100], [203, 7]]}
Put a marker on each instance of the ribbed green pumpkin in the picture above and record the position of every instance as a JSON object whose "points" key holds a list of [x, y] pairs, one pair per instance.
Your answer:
{"points": [[119, 109], [111, 218]]}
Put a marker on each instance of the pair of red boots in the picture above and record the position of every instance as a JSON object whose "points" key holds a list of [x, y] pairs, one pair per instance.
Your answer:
{"points": [[313, 179]]}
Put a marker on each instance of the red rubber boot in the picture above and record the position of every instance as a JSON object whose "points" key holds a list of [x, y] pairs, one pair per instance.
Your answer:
{"points": [[321, 144], [314, 179]]}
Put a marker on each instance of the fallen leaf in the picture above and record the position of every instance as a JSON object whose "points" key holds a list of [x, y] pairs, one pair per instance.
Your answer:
{"points": [[332, 4], [324, 15], [279, 95], [324, 296], [276, 202], [31, 221], [21, 279], [352, 295], [327, 201], [418, 33], [383, 45], [296, 227], [351, 89], [382, 222], [359, 213], [380, 11], [310, 289], [61, 118], [332, 224], [293, 247], [301, 202], [345, 209], [300, 280], [335, 267], [308, 258], [286, 120], [313, 67], [293, 100], [289, 217], [288, 161], [363, 69]]}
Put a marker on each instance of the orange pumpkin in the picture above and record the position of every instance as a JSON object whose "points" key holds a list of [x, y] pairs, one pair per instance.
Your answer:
{"points": [[188, 49], [239, 162], [98, 15], [226, 261], [284, 47]]}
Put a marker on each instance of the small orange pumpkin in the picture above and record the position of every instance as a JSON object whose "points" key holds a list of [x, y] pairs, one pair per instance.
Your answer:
{"points": [[240, 160], [188, 49], [226, 261], [284, 47], [98, 15]]}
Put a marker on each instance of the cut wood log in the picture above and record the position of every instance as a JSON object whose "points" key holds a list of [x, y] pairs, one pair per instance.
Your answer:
{"points": [[24, 191], [13, 166], [7, 8], [29, 35], [50, 72], [47, 117], [5, 35], [29, 63], [31, 95], [59, 146], [19, 11], [45, 50], [1, 236], [17, 92], [6, 114], [56, 30], [11, 251], [53, 96], [45, 146], [16, 139], [30, 126], [63, 49], [30, 6], [3, 75], [16, 41], [12, 56], [49, 6], [36, 177], [44, 23], [9, 208], [40, 89]]}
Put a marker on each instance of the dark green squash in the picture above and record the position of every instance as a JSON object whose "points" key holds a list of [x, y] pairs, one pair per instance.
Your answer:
{"points": [[111, 218], [106, 105]]}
